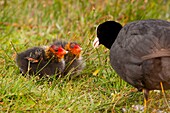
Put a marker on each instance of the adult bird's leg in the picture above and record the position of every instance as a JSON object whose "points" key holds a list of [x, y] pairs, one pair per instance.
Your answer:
{"points": [[163, 92], [146, 94]]}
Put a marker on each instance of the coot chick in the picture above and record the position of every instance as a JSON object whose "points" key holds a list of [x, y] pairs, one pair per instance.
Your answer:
{"points": [[139, 52], [42, 60], [73, 60]]}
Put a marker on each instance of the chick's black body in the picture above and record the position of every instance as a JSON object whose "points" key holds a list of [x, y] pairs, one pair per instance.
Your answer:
{"points": [[140, 53], [74, 65], [40, 64]]}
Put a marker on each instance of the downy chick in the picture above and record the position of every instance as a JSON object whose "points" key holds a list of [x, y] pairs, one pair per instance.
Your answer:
{"points": [[42, 60]]}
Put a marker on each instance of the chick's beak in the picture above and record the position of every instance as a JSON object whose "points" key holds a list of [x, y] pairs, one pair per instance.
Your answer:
{"points": [[96, 42]]}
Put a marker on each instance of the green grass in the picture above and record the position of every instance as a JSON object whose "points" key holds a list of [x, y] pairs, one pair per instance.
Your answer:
{"points": [[28, 23]]}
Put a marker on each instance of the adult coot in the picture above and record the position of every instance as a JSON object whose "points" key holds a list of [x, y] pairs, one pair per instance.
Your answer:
{"points": [[139, 52]]}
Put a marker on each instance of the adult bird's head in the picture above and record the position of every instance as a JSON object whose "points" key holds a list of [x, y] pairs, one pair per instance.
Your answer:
{"points": [[107, 33]]}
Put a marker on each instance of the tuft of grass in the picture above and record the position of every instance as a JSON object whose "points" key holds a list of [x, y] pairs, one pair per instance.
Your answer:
{"points": [[28, 23]]}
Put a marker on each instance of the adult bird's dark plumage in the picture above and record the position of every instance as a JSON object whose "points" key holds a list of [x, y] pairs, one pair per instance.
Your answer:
{"points": [[73, 60], [46, 60], [139, 52]]}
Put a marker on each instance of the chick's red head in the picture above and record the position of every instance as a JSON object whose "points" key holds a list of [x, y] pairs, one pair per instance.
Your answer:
{"points": [[74, 48], [58, 51]]}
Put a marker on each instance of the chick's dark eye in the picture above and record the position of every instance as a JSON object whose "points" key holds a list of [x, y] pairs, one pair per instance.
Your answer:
{"points": [[56, 49], [72, 45]]}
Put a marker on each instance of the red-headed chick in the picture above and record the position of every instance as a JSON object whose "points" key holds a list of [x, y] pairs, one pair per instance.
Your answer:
{"points": [[46, 60]]}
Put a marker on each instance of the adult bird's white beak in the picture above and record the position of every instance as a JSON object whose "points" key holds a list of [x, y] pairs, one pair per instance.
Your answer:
{"points": [[96, 42]]}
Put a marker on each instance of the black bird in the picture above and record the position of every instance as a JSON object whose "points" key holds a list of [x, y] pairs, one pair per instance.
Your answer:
{"points": [[73, 60], [139, 52], [46, 60]]}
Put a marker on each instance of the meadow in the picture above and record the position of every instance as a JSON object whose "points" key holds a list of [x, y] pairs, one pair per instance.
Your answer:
{"points": [[28, 23]]}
